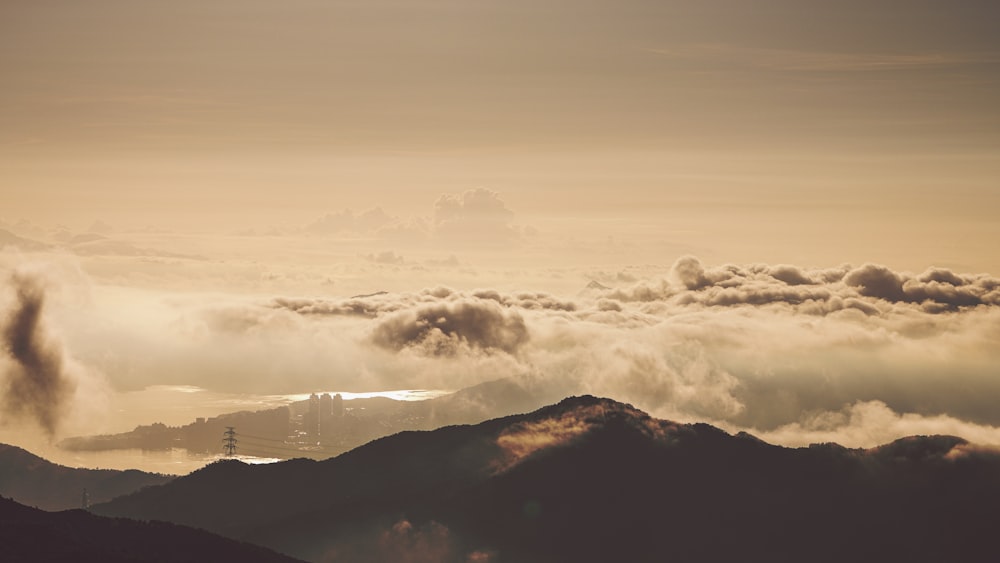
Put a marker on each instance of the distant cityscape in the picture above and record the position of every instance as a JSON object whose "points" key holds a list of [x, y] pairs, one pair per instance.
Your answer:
{"points": [[321, 426]]}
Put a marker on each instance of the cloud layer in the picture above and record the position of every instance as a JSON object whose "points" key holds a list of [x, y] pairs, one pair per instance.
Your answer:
{"points": [[792, 353], [761, 347], [473, 218]]}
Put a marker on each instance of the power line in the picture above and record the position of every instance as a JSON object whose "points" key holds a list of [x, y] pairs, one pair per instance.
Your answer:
{"points": [[273, 443], [263, 438], [260, 447], [283, 443], [279, 455], [229, 442], [277, 448], [288, 452], [284, 446]]}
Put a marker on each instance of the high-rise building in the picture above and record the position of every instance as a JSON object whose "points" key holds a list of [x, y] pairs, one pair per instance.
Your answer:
{"points": [[338, 406], [325, 414], [311, 420]]}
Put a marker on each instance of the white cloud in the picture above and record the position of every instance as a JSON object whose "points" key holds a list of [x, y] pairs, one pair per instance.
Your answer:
{"points": [[755, 347]]}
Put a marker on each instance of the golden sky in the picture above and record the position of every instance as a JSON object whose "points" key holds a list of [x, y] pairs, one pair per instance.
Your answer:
{"points": [[857, 121]]}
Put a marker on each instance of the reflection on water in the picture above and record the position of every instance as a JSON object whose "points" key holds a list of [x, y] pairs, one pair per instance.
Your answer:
{"points": [[172, 462], [399, 395], [173, 405], [176, 461], [177, 405]]}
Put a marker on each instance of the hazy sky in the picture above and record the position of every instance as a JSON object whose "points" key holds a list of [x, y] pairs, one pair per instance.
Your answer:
{"points": [[861, 120], [191, 192]]}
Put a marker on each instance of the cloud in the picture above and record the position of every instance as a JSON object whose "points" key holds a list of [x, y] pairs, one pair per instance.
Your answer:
{"points": [[790, 275], [101, 228], [387, 257], [572, 418], [347, 222], [9, 239], [476, 219], [93, 244], [527, 300], [444, 329], [871, 423], [358, 306], [753, 347], [36, 385], [375, 304], [474, 216], [821, 291], [872, 280], [689, 272], [937, 289], [525, 438]]}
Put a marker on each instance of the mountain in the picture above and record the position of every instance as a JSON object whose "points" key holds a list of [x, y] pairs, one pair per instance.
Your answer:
{"points": [[28, 534], [31, 480], [471, 405], [591, 479]]}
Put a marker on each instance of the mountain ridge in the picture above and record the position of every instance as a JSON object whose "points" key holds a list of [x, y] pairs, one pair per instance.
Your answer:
{"points": [[34, 481], [591, 479], [29, 534]]}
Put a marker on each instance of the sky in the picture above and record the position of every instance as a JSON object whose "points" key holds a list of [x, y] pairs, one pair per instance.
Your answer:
{"points": [[790, 206]]}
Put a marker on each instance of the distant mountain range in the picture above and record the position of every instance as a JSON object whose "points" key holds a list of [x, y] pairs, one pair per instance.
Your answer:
{"points": [[30, 535], [591, 479], [33, 481]]}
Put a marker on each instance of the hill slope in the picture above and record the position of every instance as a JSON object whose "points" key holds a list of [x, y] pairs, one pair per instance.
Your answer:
{"points": [[594, 480], [33, 481], [28, 534]]}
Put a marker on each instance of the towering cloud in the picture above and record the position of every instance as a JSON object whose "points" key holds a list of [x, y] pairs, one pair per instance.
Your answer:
{"points": [[35, 384], [473, 219], [477, 215]]}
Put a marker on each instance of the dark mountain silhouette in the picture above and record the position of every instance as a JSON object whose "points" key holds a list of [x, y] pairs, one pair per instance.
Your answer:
{"points": [[28, 534], [33, 481], [594, 480]]}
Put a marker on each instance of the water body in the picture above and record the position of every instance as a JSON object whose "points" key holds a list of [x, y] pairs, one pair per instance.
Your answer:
{"points": [[173, 405]]}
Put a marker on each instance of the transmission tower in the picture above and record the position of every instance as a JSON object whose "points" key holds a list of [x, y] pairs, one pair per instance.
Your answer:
{"points": [[229, 442]]}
